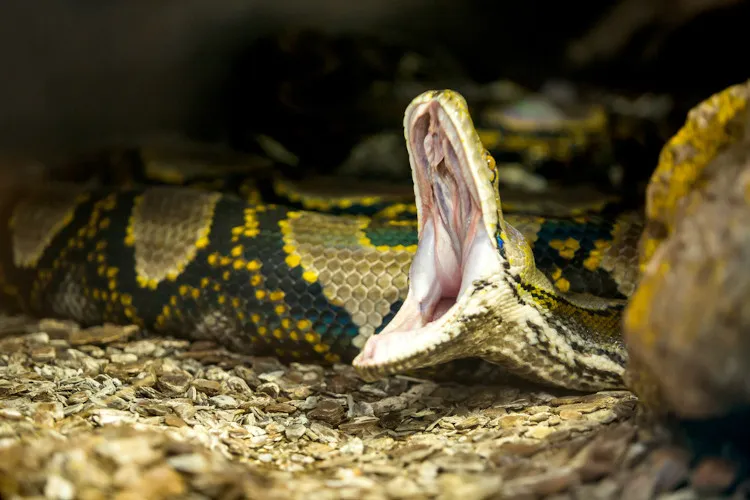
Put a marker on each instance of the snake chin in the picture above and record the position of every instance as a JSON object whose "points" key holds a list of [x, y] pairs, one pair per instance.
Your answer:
{"points": [[455, 250]]}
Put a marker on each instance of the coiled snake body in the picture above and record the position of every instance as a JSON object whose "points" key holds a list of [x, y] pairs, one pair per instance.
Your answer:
{"points": [[405, 286]]}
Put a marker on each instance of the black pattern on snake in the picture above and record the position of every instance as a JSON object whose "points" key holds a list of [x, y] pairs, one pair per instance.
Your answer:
{"points": [[455, 277]]}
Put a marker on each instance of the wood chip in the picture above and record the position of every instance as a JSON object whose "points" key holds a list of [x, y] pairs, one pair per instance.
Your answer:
{"points": [[95, 413]]}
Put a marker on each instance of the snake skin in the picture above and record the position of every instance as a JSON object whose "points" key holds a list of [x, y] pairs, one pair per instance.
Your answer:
{"points": [[686, 324], [312, 280], [262, 279]]}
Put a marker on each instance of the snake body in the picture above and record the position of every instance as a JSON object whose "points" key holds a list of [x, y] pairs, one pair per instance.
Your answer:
{"points": [[387, 286]]}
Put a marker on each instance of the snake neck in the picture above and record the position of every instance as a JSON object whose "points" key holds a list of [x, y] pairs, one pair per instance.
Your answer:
{"points": [[474, 289]]}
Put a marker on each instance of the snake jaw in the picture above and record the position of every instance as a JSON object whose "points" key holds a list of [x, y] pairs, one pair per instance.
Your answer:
{"points": [[458, 215], [471, 279], [444, 114]]}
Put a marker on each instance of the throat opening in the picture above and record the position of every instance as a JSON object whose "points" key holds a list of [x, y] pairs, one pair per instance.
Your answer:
{"points": [[451, 218]]}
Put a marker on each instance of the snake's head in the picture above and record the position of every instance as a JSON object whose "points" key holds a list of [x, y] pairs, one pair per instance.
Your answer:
{"points": [[461, 241]]}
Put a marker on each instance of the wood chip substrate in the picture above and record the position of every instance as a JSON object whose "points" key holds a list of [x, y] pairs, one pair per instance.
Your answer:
{"points": [[108, 412]]}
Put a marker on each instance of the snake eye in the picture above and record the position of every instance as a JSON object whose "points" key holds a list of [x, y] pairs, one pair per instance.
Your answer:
{"points": [[490, 160], [490, 163]]}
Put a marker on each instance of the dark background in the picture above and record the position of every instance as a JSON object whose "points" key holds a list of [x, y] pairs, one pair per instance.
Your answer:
{"points": [[81, 71]]}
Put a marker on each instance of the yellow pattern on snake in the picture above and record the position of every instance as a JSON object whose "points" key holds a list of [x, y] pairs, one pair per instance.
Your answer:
{"points": [[389, 286]]}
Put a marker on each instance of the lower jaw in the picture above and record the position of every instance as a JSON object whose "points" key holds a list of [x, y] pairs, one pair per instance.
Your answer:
{"points": [[372, 373], [408, 327], [431, 354]]}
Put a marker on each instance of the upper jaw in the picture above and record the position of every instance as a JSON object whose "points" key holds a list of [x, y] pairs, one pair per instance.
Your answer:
{"points": [[457, 214], [451, 110]]}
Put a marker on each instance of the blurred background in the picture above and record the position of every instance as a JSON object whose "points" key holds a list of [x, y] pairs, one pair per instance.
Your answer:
{"points": [[80, 72]]}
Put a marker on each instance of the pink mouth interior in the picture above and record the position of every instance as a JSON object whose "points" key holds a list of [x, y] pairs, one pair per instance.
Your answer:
{"points": [[454, 248]]}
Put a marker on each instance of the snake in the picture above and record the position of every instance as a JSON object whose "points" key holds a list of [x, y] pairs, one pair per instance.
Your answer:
{"points": [[387, 285]]}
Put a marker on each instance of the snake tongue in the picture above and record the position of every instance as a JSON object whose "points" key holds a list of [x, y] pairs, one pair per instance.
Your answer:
{"points": [[454, 249]]}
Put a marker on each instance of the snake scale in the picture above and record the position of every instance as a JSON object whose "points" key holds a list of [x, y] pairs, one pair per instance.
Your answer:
{"points": [[394, 286]]}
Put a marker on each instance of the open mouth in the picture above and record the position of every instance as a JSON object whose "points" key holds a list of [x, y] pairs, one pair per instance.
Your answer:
{"points": [[457, 207]]}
